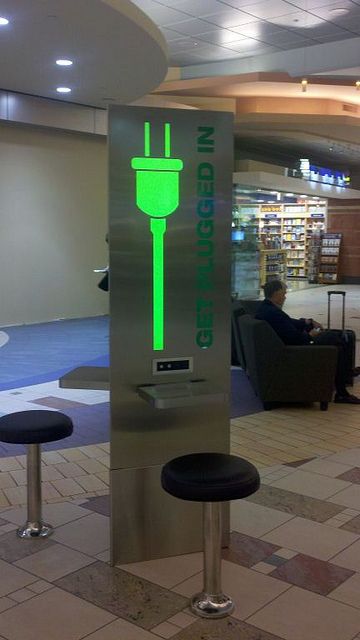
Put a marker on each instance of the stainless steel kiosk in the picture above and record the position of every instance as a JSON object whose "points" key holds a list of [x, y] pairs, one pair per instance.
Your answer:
{"points": [[170, 227]]}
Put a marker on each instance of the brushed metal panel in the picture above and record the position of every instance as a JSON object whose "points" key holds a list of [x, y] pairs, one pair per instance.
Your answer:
{"points": [[153, 524], [142, 436]]}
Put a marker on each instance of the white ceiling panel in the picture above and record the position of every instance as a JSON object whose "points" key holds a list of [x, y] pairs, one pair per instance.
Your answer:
{"points": [[257, 29], [170, 35], [308, 5], [284, 38], [231, 18], [219, 37], [240, 4], [191, 27], [270, 9], [298, 20], [337, 38], [195, 7]]}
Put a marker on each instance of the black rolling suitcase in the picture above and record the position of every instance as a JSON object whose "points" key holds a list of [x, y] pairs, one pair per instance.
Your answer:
{"points": [[349, 337]]}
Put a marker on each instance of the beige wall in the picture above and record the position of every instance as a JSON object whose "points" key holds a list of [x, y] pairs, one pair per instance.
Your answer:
{"points": [[53, 219]]}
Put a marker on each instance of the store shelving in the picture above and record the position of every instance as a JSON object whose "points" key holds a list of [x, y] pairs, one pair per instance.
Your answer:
{"points": [[292, 226], [272, 265]]}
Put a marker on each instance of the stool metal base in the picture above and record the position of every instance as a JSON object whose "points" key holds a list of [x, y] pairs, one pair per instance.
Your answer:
{"points": [[35, 530], [208, 605]]}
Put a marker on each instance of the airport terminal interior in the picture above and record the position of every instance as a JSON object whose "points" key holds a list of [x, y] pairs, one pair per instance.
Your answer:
{"points": [[121, 562]]}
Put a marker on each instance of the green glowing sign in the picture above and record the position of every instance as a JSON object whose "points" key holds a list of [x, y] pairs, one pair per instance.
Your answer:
{"points": [[157, 195]]}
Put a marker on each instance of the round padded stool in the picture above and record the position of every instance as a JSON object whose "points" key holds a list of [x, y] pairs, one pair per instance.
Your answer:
{"points": [[32, 428], [210, 478]]}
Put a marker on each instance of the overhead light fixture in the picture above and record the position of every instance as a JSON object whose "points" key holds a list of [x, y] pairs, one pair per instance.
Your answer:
{"points": [[64, 62], [3, 21], [304, 85], [289, 194], [357, 85], [63, 89], [339, 11]]}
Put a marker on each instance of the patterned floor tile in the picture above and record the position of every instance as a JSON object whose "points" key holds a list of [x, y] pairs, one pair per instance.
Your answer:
{"points": [[53, 562], [312, 574], [123, 594], [348, 592], [298, 614], [313, 539], [13, 578], [353, 475], [298, 505], [227, 629], [89, 535], [352, 525], [303, 482], [13, 548], [298, 463], [246, 550], [121, 630], [349, 557], [45, 616]]}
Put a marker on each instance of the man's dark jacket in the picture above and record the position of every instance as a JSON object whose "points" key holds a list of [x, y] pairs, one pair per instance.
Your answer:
{"points": [[290, 331]]}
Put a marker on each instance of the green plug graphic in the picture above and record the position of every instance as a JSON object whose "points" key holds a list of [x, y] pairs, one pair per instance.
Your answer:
{"points": [[157, 195]]}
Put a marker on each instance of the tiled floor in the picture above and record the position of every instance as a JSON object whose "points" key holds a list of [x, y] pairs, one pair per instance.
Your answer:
{"points": [[292, 567]]}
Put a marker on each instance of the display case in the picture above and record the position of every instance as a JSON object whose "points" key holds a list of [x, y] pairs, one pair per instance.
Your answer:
{"points": [[245, 254], [329, 258]]}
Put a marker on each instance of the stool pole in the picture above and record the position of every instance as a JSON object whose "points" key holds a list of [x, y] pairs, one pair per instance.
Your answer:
{"points": [[34, 527], [212, 547], [212, 602], [34, 485]]}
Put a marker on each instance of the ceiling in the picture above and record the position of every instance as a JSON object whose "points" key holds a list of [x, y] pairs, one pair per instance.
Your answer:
{"points": [[119, 52], [202, 31], [107, 40]]}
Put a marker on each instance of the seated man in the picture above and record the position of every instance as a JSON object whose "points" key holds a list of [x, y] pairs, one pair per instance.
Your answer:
{"points": [[304, 331]]}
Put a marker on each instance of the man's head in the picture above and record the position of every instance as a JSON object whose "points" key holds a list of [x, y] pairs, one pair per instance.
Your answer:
{"points": [[275, 291]]}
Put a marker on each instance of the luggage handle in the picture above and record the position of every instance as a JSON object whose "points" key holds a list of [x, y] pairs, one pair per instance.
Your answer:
{"points": [[334, 293], [339, 293]]}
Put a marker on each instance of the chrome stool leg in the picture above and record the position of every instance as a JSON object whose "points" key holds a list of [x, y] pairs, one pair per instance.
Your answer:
{"points": [[34, 527], [212, 602]]}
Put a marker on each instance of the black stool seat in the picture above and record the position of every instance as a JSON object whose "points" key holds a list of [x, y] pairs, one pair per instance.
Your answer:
{"points": [[34, 427], [210, 477]]}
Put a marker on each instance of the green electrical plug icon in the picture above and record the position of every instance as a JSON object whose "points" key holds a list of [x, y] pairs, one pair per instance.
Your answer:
{"points": [[157, 195]]}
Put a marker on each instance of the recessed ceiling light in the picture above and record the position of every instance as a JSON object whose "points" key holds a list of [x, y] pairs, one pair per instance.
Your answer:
{"points": [[339, 11], [3, 21], [63, 62], [63, 89]]}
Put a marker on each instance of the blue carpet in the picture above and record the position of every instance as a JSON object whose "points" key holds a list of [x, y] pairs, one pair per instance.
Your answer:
{"points": [[43, 352], [243, 398], [91, 426]]}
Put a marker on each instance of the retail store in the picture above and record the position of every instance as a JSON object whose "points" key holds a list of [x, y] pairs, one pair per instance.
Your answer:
{"points": [[282, 234]]}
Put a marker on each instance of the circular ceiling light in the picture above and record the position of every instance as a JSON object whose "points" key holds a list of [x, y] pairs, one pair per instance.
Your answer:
{"points": [[64, 62], [339, 11], [63, 89], [3, 21]]}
